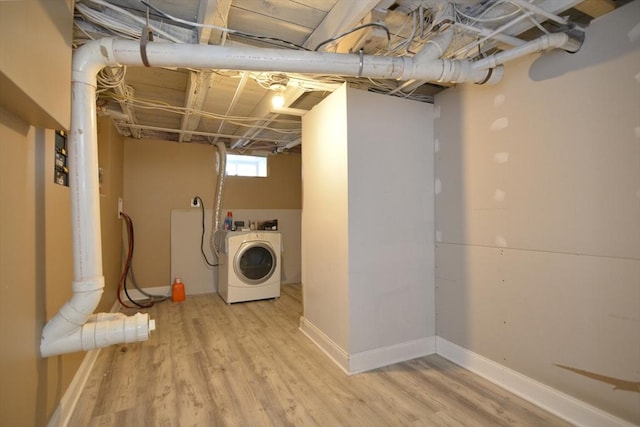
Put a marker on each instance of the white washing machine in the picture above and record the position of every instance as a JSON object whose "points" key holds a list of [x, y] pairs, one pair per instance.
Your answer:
{"points": [[248, 265]]}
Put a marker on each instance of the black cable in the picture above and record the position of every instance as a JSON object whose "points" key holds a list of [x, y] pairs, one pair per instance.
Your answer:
{"points": [[130, 237], [204, 255], [370, 24], [269, 39], [125, 269]]}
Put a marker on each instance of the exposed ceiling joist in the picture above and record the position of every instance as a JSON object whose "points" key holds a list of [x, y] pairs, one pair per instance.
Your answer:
{"points": [[264, 109], [236, 97], [199, 84], [345, 15], [595, 8], [213, 12]]}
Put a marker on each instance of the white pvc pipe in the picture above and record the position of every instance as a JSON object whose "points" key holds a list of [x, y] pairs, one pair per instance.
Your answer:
{"points": [[125, 52], [547, 41], [74, 327], [71, 329]]}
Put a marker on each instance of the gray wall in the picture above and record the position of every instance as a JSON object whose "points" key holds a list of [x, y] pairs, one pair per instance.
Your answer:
{"points": [[538, 216], [367, 227]]}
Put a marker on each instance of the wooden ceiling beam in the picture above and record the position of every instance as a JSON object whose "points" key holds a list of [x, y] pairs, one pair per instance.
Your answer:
{"points": [[264, 109], [197, 88], [344, 16], [210, 12], [213, 12], [595, 8]]}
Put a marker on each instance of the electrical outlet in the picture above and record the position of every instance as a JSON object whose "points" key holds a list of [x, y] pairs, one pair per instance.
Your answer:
{"points": [[120, 207], [195, 202]]}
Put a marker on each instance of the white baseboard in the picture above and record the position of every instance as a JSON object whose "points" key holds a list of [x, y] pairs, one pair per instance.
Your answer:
{"points": [[330, 348], [69, 400], [396, 353], [562, 405], [67, 405], [371, 359]]}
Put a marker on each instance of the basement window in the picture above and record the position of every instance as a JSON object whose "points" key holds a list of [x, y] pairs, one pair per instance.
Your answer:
{"points": [[238, 165]]}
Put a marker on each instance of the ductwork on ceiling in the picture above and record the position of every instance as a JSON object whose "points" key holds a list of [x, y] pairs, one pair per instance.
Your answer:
{"points": [[75, 328]]}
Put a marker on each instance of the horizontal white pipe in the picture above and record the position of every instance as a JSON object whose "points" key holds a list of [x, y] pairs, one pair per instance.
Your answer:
{"points": [[293, 143], [124, 52], [102, 333], [547, 41]]}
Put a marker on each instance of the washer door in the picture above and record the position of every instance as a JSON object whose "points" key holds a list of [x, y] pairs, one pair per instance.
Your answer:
{"points": [[255, 262]]}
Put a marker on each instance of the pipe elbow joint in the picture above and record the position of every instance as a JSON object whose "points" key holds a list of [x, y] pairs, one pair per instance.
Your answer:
{"points": [[115, 329], [90, 58]]}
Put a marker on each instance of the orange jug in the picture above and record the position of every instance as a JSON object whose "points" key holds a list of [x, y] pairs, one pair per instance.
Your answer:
{"points": [[177, 290]]}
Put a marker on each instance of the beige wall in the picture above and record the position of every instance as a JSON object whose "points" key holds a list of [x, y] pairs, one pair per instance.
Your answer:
{"points": [[35, 273], [111, 163], [538, 216], [36, 267], [161, 175], [35, 63]]}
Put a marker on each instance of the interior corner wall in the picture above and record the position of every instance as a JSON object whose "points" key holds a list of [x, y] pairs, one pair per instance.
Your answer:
{"points": [[538, 217], [367, 228], [325, 219], [160, 176]]}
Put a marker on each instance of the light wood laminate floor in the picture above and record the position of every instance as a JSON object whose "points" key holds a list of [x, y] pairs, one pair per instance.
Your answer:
{"points": [[247, 364]]}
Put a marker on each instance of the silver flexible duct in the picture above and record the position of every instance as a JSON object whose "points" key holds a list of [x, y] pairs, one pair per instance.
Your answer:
{"points": [[216, 218]]}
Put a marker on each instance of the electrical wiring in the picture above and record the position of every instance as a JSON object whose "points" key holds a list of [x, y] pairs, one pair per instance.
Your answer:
{"points": [[479, 18], [114, 26], [142, 102], [143, 22], [204, 255], [114, 80], [82, 30], [353, 30], [122, 283], [235, 120], [406, 43], [226, 31]]}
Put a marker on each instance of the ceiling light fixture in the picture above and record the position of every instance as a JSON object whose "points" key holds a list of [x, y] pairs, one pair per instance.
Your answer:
{"points": [[277, 100], [278, 84]]}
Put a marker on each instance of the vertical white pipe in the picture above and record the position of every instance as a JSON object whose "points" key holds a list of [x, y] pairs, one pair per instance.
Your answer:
{"points": [[83, 183], [547, 41], [74, 328]]}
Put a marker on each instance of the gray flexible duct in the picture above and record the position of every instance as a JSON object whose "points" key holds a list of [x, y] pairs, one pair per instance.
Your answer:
{"points": [[216, 219]]}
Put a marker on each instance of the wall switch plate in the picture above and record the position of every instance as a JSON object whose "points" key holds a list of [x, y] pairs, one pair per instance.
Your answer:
{"points": [[195, 202], [120, 207]]}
